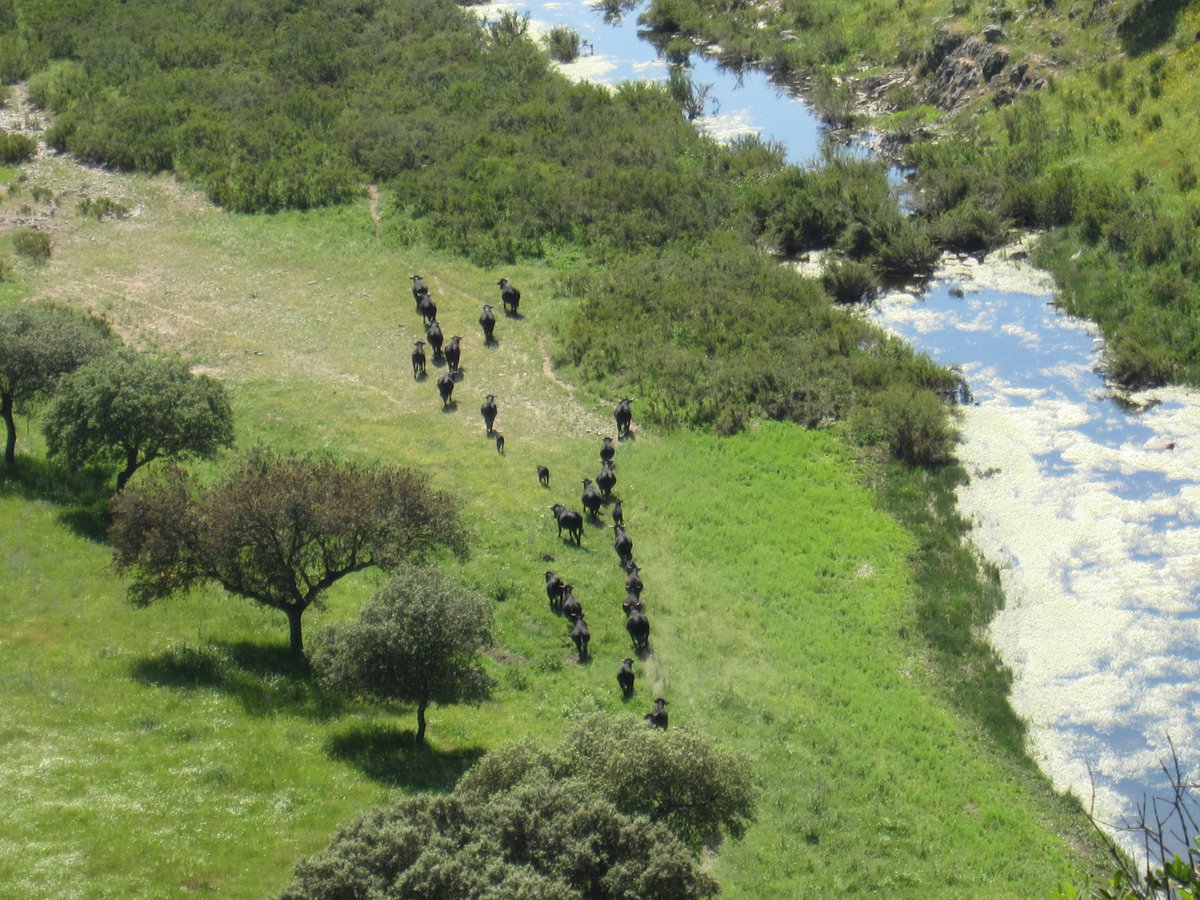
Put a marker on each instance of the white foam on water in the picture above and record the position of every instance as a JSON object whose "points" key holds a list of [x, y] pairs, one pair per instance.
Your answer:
{"points": [[1095, 529]]}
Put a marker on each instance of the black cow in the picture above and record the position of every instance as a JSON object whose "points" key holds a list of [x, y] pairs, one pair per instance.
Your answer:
{"points": [[618, 513], [427, 308], [580, 635], [419, 290], [418, 360], [632, 601], [543, 476], [638, 627], [607, 450], [571, 607], [555, 590], [453, 353], [499, 443], [625, 678], [606, 480], [592, 499], [445, 386], [657, 717], [570, 520], [622, 542], [624, 415], [633, 583], [509, 296], [433, 334], [489, 411], [487, 321]]}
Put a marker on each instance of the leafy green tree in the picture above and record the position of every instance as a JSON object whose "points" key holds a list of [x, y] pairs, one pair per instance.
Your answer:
{"points": [[134, 408], [698, 790], [417, 640], [38, 345], [278, 530], [544, 838]]}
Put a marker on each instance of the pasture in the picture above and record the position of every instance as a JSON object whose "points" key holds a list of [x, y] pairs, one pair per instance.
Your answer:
{"points": [[176, 749]]}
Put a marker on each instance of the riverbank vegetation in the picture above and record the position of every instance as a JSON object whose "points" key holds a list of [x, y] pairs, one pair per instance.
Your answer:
{"points": [[1066, 117], [794, 618]]}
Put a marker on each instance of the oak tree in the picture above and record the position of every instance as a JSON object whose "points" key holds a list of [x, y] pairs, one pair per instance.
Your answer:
{"points": [[132, 408], [538, 822], [278, 530], [543, 839], [417, 640], [38, 345]]}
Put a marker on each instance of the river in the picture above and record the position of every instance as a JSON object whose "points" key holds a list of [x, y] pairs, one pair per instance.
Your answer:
{"points": [[1090, 507]]}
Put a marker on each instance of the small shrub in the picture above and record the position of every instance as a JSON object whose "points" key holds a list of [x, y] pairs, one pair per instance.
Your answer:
{"points": [[1185, 176], [847, 281], [833, 102], [42, 194], [1155, 241], [969, 226], [6, 270], [34, 245], [1056, 196], [16, 148], [100, 207], [913, 424], [563, 43], [905, 248]]}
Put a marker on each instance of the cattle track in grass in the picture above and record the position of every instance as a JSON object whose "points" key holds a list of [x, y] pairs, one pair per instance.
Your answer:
{"points": [[326, 308]]}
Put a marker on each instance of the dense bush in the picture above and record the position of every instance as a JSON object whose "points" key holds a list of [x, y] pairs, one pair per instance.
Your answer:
{"points": [[32, 244], [497, 156], [847, 281], [16, 148], [579, 821], [704, 337]]}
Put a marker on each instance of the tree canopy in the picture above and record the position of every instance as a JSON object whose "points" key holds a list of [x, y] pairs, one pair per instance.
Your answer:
{"points": [[38, 345], [132, 408], [680, 778], [278, 530], [417, 639], [544, 839], [565, 823]]}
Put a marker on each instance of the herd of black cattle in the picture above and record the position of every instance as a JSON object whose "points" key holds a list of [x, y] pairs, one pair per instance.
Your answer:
{"points": [[596, 493]]}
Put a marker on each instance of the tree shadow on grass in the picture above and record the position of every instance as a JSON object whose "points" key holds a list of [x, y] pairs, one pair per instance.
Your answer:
{"points": [[265, 678], [82, 493], [391, 755]]}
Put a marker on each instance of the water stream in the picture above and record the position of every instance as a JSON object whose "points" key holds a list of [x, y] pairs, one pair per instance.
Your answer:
{"points": [[1091, 510]]}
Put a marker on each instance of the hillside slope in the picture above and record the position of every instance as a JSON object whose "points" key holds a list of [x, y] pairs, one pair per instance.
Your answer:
{"points": [[169, 750]]}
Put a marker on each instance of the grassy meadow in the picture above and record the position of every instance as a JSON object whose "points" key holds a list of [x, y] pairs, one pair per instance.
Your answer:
{"points": [[178, 750]]}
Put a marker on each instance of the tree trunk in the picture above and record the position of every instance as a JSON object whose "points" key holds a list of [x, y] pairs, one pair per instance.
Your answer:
{"points": [[10, 445], [131, 464], [294, 613], [421, 722]]}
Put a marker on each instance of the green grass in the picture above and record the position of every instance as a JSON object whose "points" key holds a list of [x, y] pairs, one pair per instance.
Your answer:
{"points": [[176, 749]]}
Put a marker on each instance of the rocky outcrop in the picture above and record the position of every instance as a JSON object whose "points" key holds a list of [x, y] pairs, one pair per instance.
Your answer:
{"points": [[966, 70]]}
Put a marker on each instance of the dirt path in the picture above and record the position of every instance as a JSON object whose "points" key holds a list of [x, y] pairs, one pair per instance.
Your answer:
{"points": [[373, 193]]}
